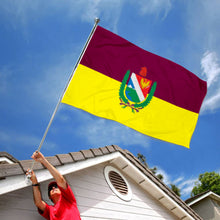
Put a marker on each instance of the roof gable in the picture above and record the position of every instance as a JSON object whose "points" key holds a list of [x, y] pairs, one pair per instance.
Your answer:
{"points": [[6, 158], [74, 161], [202, 196]]}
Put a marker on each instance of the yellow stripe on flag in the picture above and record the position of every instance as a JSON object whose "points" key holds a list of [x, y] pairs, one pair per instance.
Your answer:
{"points": [[98, 94]]}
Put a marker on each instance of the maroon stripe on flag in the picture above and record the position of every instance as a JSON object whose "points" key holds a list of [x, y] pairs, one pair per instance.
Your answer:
{"points": [[112, 55]]}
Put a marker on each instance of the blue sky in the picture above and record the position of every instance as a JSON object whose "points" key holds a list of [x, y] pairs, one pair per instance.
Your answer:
{"points": [[40, 44]]}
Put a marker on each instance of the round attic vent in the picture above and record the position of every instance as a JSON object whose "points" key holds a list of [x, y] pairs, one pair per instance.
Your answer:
{"points": [[117, 183]]}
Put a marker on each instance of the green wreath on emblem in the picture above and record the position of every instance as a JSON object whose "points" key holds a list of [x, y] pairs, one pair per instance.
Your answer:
{"points": [[138, 105]]}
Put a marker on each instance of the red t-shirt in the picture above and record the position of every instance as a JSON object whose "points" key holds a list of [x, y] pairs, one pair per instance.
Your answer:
{"points": [[65, 209]]}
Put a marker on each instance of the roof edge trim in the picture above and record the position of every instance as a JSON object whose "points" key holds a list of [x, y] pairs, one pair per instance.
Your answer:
{"points": [[16, 182], [148, 180], [210, 193]]}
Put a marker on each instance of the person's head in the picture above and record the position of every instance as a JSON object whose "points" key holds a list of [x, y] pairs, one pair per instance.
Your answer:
{"points": [[53, 191]]}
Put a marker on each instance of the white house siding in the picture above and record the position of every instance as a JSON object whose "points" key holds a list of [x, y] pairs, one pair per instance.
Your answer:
{"points": [[206, 209], [97, 201], [18, 205], [94, 197]]}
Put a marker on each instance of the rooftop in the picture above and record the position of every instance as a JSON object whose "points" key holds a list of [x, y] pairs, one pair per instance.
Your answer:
{"points": [[20, 167]]}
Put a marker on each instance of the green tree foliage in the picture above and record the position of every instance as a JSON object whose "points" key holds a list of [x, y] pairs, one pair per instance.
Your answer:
{"points": [[207, 181], [142, 159], [154, 171], [175, 189], [160, 176]]}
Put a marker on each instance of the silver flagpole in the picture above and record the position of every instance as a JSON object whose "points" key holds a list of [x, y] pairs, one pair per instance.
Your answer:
{"points": [[71, 76]]}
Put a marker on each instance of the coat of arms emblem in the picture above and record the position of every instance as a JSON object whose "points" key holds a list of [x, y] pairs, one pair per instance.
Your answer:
{"points": [[138, 92]]}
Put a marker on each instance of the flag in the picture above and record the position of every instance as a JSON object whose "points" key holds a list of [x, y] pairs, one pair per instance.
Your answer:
{"points": [[120, 81]]}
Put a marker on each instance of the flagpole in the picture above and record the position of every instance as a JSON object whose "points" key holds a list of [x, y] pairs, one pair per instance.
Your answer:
{"points": [[70, 78]]}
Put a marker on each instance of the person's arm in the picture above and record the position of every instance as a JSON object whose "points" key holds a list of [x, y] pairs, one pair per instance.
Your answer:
{"points": [[36, 191], [39, 157]]}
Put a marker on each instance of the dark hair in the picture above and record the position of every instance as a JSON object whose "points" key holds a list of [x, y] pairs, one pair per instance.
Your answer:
{"points": [[50, 187]]}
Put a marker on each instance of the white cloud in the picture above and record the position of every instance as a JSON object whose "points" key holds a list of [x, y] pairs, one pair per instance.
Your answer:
{"points": [[106, 10], [185, 185], [210, 67], [55, 77], [202, 22], [15, 139], [102, 132], [166, 176], [211, 70], [155, 7], [212, 103], [178, 180], [24, 12], [16, 10]]}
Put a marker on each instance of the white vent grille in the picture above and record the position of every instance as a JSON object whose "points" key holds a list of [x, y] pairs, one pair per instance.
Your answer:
{"points": [[117, 183]]}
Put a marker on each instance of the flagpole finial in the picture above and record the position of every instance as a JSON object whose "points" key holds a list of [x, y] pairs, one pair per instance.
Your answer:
{"points": [[97, 20]]}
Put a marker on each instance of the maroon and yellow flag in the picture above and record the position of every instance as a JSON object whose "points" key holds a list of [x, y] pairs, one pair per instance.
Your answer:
{"points": [[117, 80]]}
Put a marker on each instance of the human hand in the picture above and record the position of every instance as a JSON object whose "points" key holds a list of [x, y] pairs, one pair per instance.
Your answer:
{"points": [[38, 156], [31, 175]]}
